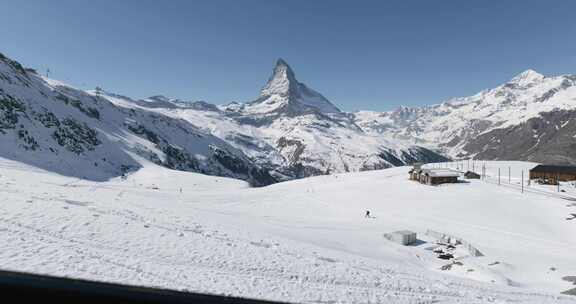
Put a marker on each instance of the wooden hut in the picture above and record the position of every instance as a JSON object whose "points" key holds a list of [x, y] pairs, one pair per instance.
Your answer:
{"points": [[438, 176], [471, 175], [551, 174]]}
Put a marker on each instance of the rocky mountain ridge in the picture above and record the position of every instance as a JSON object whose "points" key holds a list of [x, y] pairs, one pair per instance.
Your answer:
{"points": [[530, 118], [58, 128]]}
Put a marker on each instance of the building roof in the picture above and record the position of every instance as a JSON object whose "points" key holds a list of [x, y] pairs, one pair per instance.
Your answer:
{"points": [[441, 172], [472, 173], [554, 169]]}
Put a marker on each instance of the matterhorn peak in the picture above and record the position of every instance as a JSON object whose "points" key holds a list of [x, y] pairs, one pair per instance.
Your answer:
{"points": [[527, 77], [284, 94], [282, 81], [281, 62]]}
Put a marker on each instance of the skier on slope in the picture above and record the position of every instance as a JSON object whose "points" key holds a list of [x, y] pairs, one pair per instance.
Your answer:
{"points": [[367, 213]]}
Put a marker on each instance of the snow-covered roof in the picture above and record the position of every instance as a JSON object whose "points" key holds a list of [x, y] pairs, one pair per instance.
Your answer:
{"points": [[441, 172]]}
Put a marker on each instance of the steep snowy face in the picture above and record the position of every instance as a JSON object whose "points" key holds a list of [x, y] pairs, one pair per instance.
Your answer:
{"points": [[282, 82], [56, 127], [474, 126], [283, 94]]}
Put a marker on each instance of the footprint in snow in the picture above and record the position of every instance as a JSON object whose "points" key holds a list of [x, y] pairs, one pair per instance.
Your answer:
{"points": [[262, 244], [325, 259], [77, 203]]}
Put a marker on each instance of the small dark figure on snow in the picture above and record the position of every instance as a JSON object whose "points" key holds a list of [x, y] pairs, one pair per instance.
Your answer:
{"points": [[367, 213]]}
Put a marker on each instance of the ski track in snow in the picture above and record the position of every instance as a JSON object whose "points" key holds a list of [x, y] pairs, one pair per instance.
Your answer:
{"points": [[205, 241]]}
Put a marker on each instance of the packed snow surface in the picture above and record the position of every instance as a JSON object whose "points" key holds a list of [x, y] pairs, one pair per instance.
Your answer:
{"points": [[300, 241]]}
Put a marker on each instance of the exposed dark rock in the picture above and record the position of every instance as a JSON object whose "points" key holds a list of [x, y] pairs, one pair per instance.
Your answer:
{"points": [[75, 136], [178, 159], [548, 138], [10, 110], [141, 130]]}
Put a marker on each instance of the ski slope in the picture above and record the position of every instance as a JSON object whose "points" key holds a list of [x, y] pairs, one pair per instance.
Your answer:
{"points": [[300, 241]]}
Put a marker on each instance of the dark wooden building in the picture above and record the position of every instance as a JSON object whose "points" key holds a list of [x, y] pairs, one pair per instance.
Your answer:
{"points": [[551, 174], [471, 175], [438, 176]]}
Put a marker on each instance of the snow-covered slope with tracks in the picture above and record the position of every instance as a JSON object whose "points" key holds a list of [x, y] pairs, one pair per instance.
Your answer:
{"points": [[304, 241]]}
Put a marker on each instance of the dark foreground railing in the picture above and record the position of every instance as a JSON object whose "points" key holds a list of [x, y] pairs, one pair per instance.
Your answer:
{"points": [[25, 288]]}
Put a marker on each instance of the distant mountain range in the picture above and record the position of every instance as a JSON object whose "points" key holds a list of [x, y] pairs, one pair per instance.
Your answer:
{"points": [[531, 117], [289, 131]]}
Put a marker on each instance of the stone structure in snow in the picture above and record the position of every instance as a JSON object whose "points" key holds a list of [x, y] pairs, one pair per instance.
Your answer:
{"points": [[402, 237]]}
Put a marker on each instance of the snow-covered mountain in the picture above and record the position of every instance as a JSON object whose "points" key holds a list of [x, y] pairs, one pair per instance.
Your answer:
{"points": [[294, 131], [290, 131], [283, 94], [53, 126], [531, 117]]}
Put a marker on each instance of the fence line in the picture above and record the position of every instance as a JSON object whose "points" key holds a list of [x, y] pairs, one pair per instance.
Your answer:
{"points": [[460, 166]]}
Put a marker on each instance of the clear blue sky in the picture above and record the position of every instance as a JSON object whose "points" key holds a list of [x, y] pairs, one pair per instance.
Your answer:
{"points": [[372, 55]]}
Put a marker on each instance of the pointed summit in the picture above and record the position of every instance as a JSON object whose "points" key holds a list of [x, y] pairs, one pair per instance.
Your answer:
{"points": [[283, 94], [527, 77], [282, 81], [281, 62]]}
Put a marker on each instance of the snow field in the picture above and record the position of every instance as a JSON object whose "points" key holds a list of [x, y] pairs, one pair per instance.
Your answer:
{"points": [[300, 241]]}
